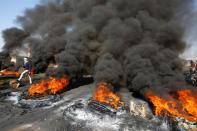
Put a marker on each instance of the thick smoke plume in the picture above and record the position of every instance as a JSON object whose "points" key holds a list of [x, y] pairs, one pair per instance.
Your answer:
{"points": [[134, 42], [13, 38]]}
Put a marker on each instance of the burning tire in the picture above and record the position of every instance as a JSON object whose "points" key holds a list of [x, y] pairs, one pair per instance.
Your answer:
{"points": [[99, 108], [39, 102]]}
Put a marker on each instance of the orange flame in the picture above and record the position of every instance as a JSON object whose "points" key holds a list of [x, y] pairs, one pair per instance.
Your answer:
{"points": [[6, 72], [182, 103], [104, 95], [51, 86]]}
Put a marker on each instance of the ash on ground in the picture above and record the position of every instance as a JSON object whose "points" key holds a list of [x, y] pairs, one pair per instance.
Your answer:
{"points": [[39, 102], [73, 113], [18, 99], [86, 117]]}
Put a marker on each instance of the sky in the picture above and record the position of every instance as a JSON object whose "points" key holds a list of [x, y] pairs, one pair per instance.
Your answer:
{"points": [[9, 10], [195, 4], [191, 37]]}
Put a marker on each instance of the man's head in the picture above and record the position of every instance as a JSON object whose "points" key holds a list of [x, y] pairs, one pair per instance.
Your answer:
{"points": [[25, 59]]}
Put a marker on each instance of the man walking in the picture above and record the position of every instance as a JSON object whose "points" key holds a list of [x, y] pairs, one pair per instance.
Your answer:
{"points": [[27, 65]]}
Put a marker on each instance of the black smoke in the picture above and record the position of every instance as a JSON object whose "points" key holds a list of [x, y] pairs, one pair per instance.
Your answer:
{"points": [[13, 38], [5, 60], [136, 42]]}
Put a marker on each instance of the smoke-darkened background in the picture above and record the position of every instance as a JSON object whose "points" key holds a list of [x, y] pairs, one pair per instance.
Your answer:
{"points": [[133, 43]]}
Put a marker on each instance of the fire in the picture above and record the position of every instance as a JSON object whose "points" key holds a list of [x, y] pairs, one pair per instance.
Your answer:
{"points": [[104, 95], [6, 72], [50, 86], [181, 103]]}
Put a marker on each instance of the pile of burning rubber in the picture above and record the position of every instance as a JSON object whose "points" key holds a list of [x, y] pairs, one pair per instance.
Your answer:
{"points": [[102, 106], [104, 110], [178, 106], [43, 93], [180, 103], [179, 109]]}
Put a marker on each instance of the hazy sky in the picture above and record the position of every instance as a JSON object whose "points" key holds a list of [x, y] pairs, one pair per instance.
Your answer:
{"points": [[195, 4], [191, 37], [10, 9]]}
